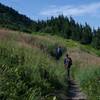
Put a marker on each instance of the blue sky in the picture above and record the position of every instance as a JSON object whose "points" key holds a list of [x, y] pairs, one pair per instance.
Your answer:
{"points": [[81, 10]]}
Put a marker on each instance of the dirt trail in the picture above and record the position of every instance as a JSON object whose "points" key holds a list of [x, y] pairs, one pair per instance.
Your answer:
{"points": [[74, 92]]}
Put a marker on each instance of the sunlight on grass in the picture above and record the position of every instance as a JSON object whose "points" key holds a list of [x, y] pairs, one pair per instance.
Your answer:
{"points": [[28, 71]]}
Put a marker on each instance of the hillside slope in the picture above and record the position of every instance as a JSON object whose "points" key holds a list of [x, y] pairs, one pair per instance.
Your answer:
{"points": [[29, 71], [9, 18], [77, 51], [62, 26]]}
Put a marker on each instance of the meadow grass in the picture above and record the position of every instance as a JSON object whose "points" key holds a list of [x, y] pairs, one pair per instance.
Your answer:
{"points": [[28, 73], [90, 49], [89, 79]]}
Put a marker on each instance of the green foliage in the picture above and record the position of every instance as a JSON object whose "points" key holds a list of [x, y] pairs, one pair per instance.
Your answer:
{"points": [[11, 19], [89, 79], [31, 73], [86, 35], [96, 40], [61, 26], [28, 73], [90, 49]]}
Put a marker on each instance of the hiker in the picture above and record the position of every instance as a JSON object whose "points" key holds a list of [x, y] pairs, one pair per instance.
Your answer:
{"points": [[67, 64], [58, 52]]}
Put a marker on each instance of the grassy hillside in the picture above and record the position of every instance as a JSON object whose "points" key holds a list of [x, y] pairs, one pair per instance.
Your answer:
{"points": [[28, 70], [62, 26], [10, 18]]}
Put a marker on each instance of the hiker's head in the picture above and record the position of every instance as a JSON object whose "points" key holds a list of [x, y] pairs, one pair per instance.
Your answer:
{"points": [[59, 46], [66, 55]]}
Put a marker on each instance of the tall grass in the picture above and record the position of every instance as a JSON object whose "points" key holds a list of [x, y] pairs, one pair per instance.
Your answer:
{"points": [[27, 73], [89, 80], [90, 49]]}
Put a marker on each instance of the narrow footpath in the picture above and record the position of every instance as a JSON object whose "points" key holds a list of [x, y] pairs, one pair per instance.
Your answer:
{"points": [[74, 92]]}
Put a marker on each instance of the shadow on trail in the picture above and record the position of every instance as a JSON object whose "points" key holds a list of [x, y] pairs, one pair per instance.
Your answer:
{"points": [[73, 91]]}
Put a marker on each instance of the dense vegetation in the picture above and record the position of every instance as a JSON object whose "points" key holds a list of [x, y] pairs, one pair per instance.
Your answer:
{"points": [[9, 18], [61, 26], [69, 29], [26, 71], [29, 72], [89, 80]]}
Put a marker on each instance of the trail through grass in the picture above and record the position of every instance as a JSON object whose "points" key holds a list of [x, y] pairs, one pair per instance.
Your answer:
{"points": [[29, 71]]}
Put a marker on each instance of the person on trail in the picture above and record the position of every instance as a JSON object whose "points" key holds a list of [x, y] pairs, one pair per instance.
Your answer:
{"points": [[58, 52], [67, 64]]}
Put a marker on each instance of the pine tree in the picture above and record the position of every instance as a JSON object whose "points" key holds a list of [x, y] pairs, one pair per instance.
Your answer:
{"points": [[96, 39], [86, 34]]}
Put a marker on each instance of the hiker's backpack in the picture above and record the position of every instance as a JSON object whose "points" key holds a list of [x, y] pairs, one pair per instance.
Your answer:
{"points": [[65, 62], [70, 61]]}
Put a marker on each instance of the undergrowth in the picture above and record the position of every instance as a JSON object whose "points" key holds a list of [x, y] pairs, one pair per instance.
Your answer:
{"points": [[27, 73], [89, 80]]}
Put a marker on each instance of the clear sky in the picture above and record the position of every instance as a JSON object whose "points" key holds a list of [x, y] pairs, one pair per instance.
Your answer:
{"points": [[81, 10]]}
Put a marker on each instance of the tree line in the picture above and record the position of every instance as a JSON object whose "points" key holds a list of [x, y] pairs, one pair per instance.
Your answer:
{"points": [[69, 29], [9, 18], [61, 26]]}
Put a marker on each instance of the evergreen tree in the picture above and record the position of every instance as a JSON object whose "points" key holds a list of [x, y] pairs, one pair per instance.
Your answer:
{"points": [[86, 34], [96, 39]]}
